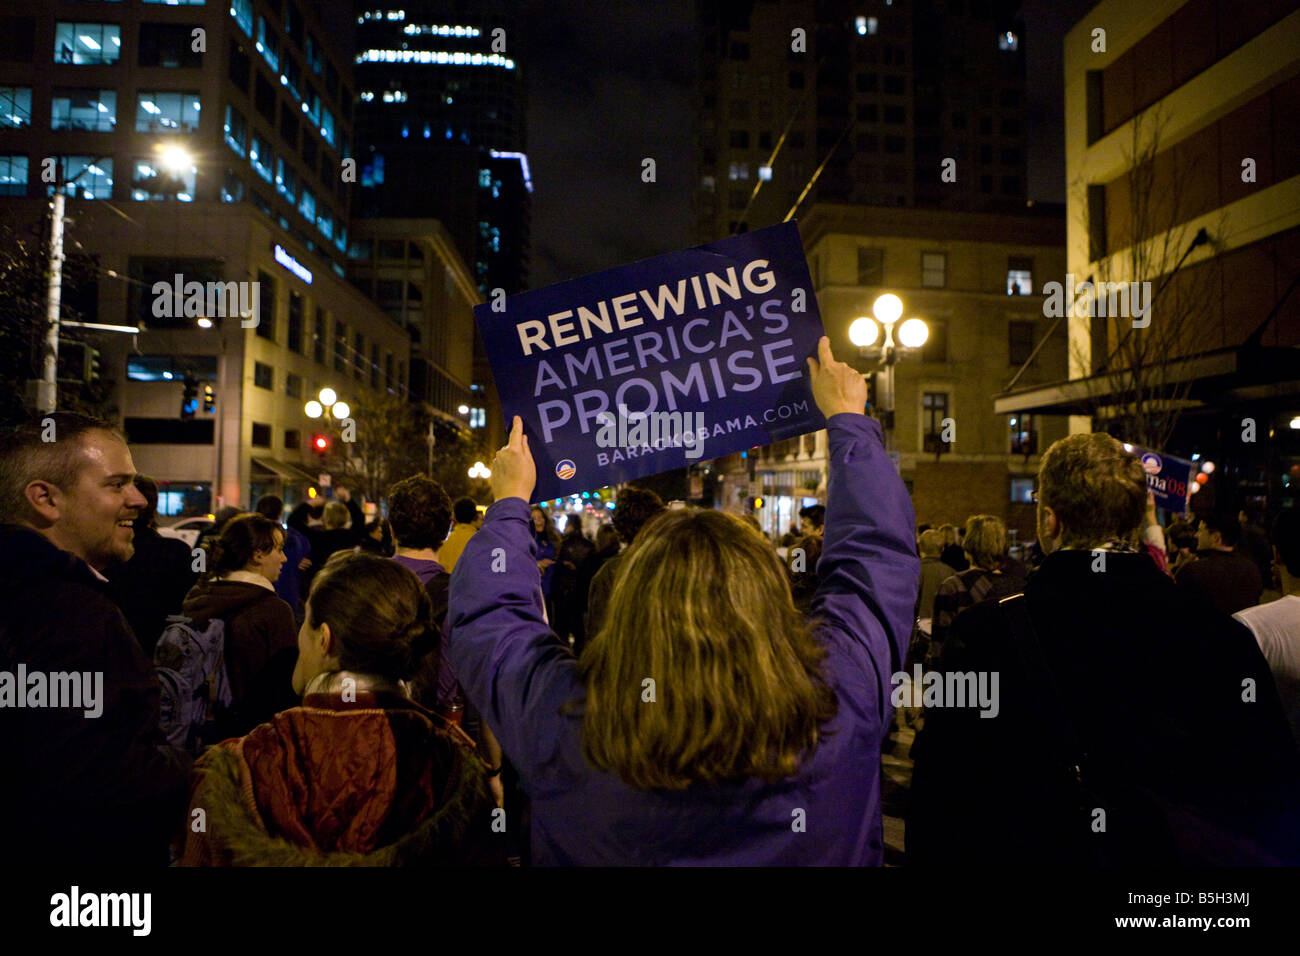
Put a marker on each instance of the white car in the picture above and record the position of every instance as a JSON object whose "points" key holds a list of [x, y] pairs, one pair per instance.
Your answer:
{"points": [[188, 529]]}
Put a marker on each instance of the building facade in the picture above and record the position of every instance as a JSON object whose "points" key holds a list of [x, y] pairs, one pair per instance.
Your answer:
{"points": [[870, 94], [977, 291], [441, 101], [1183, 173], [205, 141]]}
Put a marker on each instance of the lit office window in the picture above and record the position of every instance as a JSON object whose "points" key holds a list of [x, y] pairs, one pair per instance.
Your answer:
{"points": [[157, 112], [151, 181], [259, 154], [268, 43], [307, 205], [92, 110], [87, 43], [15, 107], [178, 3], [88, 177], [325, 223], [236, 130], [232, 187], [286, 183], [13, 174], [327, 125], [242, 11]]}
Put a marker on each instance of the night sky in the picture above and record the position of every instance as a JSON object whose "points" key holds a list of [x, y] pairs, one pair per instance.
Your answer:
{"points": [[611, 83]]}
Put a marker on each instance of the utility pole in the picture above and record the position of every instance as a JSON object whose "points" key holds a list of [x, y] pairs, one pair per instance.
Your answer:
{"points": [[430, 439], [48, 390]]}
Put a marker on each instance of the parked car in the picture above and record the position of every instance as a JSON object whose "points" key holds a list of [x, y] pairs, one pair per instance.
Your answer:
{"points": [[188, 530]]}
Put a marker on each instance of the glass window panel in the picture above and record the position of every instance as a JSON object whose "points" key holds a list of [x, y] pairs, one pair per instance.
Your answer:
{"points": [[242, 11], [93, 110], [268, 43], [151, 180], [161, 112], [13, 175], [87, 43], [88, 177], [236, 130], [286, 183], [15, 107], [307, 205], [259, 154]]}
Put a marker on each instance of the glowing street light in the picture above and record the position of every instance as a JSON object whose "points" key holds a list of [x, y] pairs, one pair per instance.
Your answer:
{"points": [[328, 396], [175, 158], [313, 409], [913, 333], [863, 332], [480, 470]]}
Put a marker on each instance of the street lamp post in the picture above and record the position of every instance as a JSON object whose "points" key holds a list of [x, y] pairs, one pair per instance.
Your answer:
{"points": [[864, 332]]}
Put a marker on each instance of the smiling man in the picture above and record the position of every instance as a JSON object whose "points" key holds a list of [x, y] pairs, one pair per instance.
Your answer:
{"points": [[82, 787]]}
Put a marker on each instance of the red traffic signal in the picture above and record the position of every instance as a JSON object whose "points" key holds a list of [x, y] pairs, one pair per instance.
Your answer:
{"points": [[321, 443]]}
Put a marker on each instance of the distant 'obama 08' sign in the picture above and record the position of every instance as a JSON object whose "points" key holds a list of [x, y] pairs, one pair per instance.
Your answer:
{"points": [[647, 367]]}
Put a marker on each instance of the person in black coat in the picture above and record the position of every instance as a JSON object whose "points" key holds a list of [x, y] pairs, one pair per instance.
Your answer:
{"points": [[90, 782], [1131, 725], [154, 582]]}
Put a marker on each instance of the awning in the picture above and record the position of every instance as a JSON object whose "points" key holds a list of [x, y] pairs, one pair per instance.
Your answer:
{"points": [[289, 472], [1212, 378]]}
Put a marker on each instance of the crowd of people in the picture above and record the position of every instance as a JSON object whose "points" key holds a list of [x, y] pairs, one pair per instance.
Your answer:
{"points": [[441, 686]]}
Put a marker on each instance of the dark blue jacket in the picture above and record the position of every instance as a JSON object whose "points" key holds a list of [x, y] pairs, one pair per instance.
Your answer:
{"points": [[519, 675]]}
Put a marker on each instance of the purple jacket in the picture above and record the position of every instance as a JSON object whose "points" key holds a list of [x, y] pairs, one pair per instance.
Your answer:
{"points": [[519, 675]]}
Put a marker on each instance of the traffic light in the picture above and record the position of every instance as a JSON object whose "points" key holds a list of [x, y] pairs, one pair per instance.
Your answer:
{"points": [[209, 400], [190, 398], [320, 444], [92, 365], [758, 503]]}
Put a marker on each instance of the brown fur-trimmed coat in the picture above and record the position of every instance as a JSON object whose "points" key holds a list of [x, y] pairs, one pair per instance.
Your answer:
{"points": [[378, 782]]}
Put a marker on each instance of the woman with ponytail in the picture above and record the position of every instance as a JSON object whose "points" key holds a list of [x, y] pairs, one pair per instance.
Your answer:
{"points": [[239, 589], [358, 774]]}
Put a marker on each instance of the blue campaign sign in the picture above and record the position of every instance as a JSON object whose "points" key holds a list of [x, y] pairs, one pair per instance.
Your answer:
{"points": [[655, 365], [1167, 476]]}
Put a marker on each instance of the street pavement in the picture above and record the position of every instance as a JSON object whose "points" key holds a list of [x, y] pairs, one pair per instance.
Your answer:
{"points": [[895, 782]]}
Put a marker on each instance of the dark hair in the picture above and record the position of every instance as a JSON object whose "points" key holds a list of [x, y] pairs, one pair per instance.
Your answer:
{"points": [[633, 508], [377, 610], [241, 538], [1286, 538], [26, 456], [606, 539], [1226, 524], [148, 515], [1182, 533], [814, 513], [465, 511], [419, 512], [272, 506]]}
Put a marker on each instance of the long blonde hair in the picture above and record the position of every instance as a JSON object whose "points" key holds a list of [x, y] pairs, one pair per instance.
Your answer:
{"points": [[704, 671]]}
